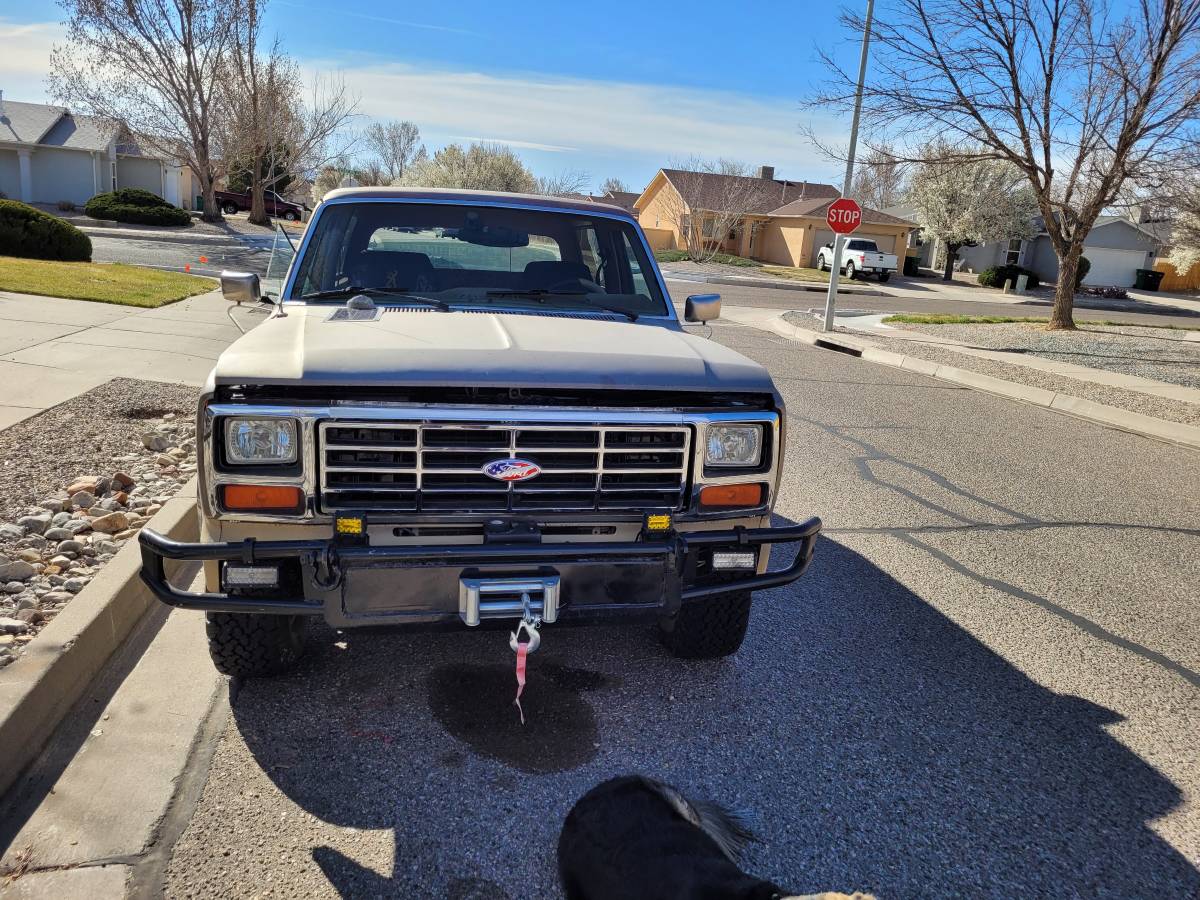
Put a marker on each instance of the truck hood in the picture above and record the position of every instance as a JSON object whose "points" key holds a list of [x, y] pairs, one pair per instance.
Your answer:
{"points": [[463, 349]]}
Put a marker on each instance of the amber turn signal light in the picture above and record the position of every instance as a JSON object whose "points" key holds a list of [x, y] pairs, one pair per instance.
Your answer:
{"points": [[262, 498], [723, 496]]}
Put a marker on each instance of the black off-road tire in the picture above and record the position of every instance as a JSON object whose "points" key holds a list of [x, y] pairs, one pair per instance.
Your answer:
{"points": [[821, 262], [707, 629], [249, 645], [229, 209], [290, 216]]}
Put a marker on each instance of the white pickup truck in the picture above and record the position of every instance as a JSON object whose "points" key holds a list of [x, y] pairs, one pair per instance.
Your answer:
{"points": [[859, 257]]}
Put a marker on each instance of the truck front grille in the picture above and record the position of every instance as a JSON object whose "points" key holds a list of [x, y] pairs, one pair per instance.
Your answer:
{"points": [[430, 467]]}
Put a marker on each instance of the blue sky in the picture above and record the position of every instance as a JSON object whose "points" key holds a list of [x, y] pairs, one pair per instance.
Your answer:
{"points": [[609, 89]]}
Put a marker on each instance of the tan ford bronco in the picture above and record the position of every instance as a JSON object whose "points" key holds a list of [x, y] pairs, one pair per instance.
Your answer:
{"points": [[470, 408]]}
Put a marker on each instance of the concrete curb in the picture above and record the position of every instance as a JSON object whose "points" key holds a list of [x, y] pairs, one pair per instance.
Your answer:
{"points": [[774, 283], [1125, 420], [57, 666]]}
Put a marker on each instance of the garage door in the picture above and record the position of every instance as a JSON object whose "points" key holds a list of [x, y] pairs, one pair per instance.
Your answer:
{"points": [[1113, 268], [885, 242]]}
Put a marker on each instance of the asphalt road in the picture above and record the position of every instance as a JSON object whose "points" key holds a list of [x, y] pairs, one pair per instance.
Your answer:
{"points": [[911, 295], [988, 684], [205, 255]]}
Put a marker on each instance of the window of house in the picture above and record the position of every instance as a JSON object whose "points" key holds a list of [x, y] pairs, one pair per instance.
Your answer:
{"points": [[707, 226], [1013, 256], [114, 175]]}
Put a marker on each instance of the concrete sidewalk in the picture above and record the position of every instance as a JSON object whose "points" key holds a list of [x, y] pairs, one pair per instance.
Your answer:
{"points": [[53, 349]]}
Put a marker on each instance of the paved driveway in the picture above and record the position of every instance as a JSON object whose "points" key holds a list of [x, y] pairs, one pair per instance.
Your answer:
{"points": [[988, 685]]}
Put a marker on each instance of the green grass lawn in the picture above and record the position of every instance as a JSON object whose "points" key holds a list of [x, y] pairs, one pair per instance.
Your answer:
{"points": [[798, 273], [99, 282]]}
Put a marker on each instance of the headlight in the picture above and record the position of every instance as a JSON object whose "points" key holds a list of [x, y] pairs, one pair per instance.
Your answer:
{"points": [[734, 445], [250, 442]]}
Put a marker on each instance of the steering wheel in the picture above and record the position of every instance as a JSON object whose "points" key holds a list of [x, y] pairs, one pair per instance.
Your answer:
{"points": [[574, 284]]}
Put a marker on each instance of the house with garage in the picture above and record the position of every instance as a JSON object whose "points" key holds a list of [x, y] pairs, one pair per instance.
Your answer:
{"points": [[50, 155], [1116, 247], [774, 220]]}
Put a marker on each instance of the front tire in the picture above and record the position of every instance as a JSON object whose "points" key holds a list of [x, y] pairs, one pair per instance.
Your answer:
{"points": [[708, 629], [821, 267], [249, 645]]}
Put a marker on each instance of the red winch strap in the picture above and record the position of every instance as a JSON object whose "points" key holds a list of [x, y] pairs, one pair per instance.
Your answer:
{"points": [[522, 652]]}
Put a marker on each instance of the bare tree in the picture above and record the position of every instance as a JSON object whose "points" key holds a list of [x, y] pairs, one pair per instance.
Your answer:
{"points": [[267, 126], [395, 145], [154, 67], [711, 201], [614, 186], [964, 204], [568, 181], [879, 179], [1080, 95]]}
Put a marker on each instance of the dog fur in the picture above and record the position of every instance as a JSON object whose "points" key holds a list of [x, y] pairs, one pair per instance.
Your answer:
{"points": [[633, 838]]}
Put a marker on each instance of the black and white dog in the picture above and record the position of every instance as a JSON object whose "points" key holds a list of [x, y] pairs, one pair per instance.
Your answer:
{"points": [[633, 838]]}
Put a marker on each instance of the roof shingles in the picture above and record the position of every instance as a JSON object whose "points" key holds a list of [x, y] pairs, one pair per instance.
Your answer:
{"points": [[705, 190]]}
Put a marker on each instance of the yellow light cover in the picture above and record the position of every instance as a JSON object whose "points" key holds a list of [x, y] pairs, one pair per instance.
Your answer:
{"points": [[658, 522], [349, 526]]}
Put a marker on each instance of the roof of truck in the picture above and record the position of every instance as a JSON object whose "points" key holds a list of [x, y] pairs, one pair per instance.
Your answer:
{"points": [[454, 195]]}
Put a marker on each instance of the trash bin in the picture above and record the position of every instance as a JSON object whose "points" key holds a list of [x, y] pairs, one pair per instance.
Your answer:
{"points": [[1148, 279], [912, 265], [200, 203]]}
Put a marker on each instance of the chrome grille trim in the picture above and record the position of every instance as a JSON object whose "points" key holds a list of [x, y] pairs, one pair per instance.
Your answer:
{"points": [[590, 470]]}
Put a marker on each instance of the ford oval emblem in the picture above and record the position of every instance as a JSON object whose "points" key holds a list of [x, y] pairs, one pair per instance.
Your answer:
{"points": [[512, 470]]}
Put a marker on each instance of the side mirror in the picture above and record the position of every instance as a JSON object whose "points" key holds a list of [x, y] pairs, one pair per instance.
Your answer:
{"points": [[240, 287], [702, 308]]}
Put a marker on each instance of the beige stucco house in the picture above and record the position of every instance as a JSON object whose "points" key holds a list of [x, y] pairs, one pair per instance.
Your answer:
{"points": [[784, 221], [48, 155]]}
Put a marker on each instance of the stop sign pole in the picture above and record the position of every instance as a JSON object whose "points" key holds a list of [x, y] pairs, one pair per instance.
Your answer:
{"points": [[839, 242]]}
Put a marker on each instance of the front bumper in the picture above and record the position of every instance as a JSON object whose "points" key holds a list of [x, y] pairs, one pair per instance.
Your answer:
{"points": [[358, 584]]}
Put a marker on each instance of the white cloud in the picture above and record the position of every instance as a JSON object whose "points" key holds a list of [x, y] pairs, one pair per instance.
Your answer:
{"points": [[510, 142], [593, 118], [26, 58]]}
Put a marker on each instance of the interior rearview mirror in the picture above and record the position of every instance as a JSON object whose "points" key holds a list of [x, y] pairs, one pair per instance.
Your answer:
{"points": [[240, 287], [702, 308]]}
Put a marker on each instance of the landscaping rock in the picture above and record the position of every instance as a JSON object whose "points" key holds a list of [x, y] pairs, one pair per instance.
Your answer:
{"points": [[12, 626], [83, 499], [87, 483], [36, 524], [9, 532], [72, 546], [153, 440], [74, 585], [14, 587], [111, 523], [52, 505], [30, 555], [59, 534], [16, 570], [123, 481]]}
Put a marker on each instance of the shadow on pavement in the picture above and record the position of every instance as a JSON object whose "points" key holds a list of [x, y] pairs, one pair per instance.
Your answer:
{"points": [[883, 748]]}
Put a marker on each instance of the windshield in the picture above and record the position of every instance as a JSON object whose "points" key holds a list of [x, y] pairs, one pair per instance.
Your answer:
{"points": [[480, 256]]}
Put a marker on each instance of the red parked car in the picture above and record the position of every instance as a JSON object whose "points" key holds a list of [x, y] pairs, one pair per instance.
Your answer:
{"points": [[231, 203]]}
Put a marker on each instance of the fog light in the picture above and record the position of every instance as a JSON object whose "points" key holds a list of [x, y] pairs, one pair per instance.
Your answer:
{"points": [[658, 522], [734, 560], [240, 576], [348, 525]]}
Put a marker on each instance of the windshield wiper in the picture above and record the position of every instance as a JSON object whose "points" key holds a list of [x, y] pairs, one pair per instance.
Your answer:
{"points": [[376, 292], [539, 293]]}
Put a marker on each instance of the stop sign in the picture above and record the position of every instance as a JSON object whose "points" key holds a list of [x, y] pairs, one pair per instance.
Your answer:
{"points": [[844, 216]]}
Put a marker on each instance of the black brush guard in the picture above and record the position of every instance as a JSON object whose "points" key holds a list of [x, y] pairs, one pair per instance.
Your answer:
{"points": [[330, 556]]}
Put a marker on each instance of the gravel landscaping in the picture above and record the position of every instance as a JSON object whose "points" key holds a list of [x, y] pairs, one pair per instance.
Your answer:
{"points": [[76, 483], [1134, 401], [1161, 354]]}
